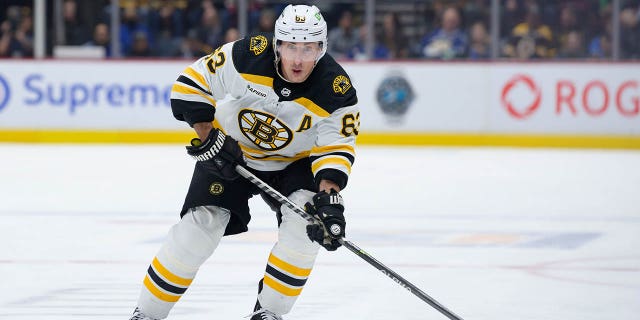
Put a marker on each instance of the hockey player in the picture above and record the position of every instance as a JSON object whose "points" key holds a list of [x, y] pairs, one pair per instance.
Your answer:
{"points": [[289, 115]]}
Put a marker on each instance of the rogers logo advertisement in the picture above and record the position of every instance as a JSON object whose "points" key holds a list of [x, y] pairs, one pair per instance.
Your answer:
{"points": [[518, 109], [4, 93], [523, 96]]}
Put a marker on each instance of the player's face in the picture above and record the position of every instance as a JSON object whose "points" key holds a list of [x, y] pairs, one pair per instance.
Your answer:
{"points": [[297, 59]]}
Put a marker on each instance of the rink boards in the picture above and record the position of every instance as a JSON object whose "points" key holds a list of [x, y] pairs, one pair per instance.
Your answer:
{"points": [[405, 103]]}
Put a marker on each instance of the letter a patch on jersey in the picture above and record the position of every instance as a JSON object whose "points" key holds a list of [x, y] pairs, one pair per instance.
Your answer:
{"points": [[305, 124]]}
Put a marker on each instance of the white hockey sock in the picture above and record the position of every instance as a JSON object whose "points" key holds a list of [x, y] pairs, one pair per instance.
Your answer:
{"points": [[188, 245], [290, 261]]}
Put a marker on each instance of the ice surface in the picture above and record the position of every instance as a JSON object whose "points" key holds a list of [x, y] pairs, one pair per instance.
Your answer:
{"points": [[489, 233]]}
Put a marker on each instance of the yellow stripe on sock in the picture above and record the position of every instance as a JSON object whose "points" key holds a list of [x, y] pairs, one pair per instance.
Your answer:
{"points": [[282, 265], [277, 286], [170, 276], [159, 294]]}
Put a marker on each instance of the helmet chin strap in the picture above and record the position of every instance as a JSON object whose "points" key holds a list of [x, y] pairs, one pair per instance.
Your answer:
{"points": [[276, 64]]}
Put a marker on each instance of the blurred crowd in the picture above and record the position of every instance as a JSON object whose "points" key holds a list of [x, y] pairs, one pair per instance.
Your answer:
{"points": [[436, 29]]}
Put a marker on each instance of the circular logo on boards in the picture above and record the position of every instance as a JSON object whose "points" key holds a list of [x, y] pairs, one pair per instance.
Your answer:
{"points": [[394, 96], [525, 101], [4, 92]]}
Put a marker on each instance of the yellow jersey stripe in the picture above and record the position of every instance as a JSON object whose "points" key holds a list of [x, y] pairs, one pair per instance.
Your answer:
{"points": [[252, 150], [282, 265], [179, 88], [277, 286], [336, 148], [168, 275], [159, 294], [217, 125], [197, 76], [311, 106], [267, 157], [315, 167], [262, 80]]}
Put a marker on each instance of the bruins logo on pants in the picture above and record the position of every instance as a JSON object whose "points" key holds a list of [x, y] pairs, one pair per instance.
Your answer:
{"points": [[216, 188], [261, 128]]}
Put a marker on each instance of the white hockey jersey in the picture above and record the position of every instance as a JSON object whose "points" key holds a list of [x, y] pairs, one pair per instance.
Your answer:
{"points": [[274, 121]]}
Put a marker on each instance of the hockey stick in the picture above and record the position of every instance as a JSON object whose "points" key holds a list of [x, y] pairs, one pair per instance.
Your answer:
{"points": [[349, 245]]}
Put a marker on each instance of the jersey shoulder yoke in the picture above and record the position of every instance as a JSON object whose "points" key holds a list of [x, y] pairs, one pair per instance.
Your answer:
{"points": [[332, 87], [253, 55]]}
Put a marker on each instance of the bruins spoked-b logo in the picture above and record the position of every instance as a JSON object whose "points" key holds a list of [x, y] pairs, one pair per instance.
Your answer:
{"points": [[341, 84], [267, 132], [216, 188], [257, 44]]}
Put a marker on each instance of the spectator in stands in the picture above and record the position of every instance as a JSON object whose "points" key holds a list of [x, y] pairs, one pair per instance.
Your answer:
{"points": [[16, 33], [167, 27], [479, 42], [140, 46], [391, 36], [232, 34], [6, 38], [600, 45], [210, 32], [102, 38], [76, 32], [630, 32], [530, 39], [477, 10], [24, 34], [572, 46], [343, 38], [359, 51], [448, 41], [568, 24], [192, 47], [195, 10], [130, 26], [511, 15], [266, 21]]}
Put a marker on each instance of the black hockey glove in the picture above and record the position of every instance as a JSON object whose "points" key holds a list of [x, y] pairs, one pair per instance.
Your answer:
{"points": [[218, 153], [329, 209]]}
